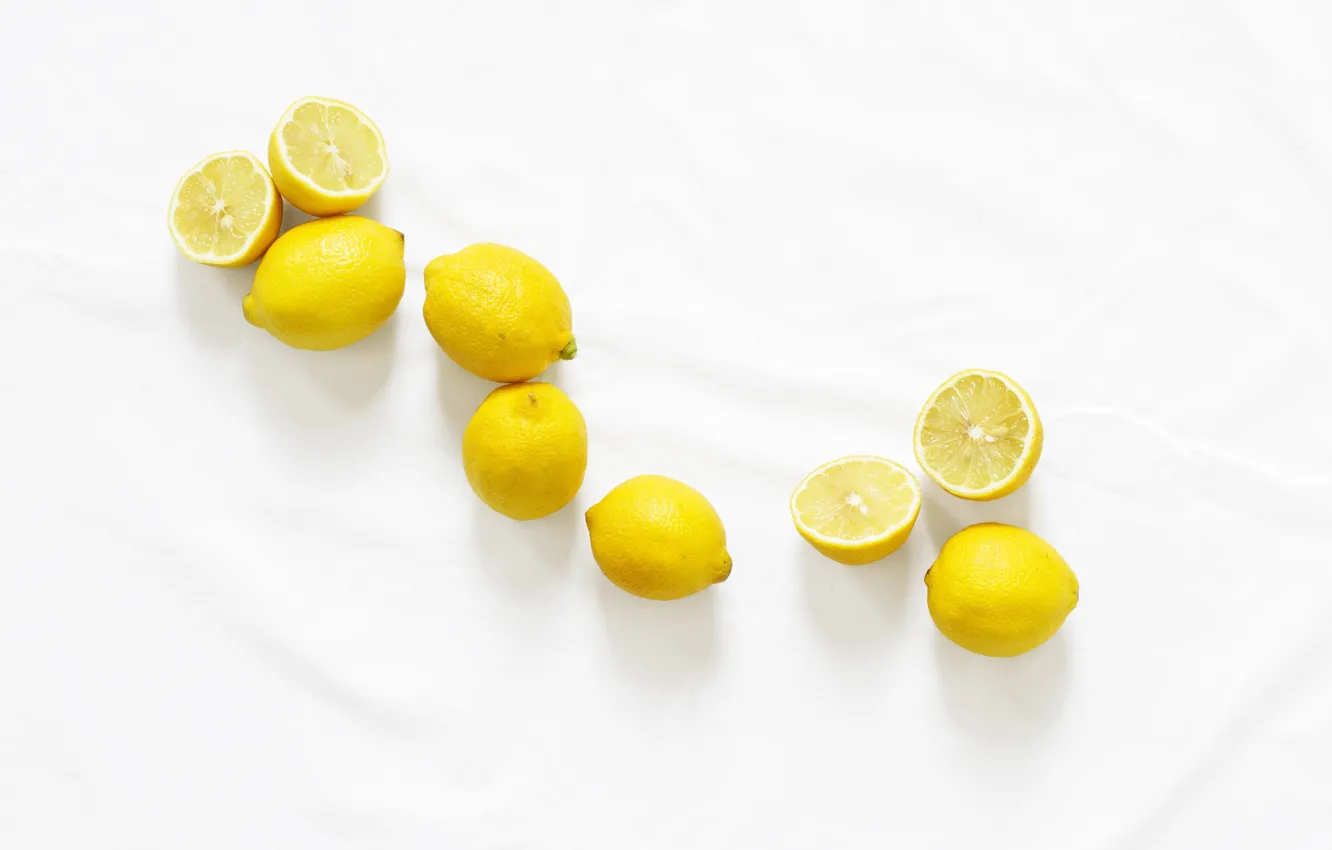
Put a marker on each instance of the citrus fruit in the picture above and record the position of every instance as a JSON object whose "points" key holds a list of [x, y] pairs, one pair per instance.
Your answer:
{"points": [[328, 283], [327, 157], [657, 538], [498, 313], [225, 210], [979, 436], [857, 509], [999, 590], [525, 450]]}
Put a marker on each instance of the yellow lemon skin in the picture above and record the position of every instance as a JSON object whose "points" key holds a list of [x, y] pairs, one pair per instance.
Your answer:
{"points": [[881, 487], [999, 591], [853, 555], [659, 539], [525, 450], [328, 283], [225, 211], [498, 313], [1035, 440], [344, 126]]}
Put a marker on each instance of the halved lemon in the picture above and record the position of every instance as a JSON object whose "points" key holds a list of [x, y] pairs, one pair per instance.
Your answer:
{"points": [[225, 210], [327, 157], [979, 436], [856, 509]]}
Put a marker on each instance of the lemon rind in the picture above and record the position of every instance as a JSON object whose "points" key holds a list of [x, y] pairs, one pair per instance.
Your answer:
{"points": [[302, 178], [865, 542], [272, 197], [1021, 470]]}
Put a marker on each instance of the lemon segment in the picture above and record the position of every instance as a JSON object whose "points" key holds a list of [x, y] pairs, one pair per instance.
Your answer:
{"points": [[857, 509], [327, 157], [979, 437], [225, 211]]}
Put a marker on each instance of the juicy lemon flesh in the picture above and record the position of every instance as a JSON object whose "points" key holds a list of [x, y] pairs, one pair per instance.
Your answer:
{"points": [[856, 510], [856, 500], [221, 206], [331, 146], [974, 433]]}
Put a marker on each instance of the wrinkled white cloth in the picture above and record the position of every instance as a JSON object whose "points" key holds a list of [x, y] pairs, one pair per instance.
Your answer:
{"points": [[248, 600]]}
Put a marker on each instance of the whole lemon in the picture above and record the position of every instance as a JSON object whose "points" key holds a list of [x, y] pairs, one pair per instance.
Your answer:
{"points": [[525, 450], [657, 538], [328, 283], [498, 313], [998, 590]]}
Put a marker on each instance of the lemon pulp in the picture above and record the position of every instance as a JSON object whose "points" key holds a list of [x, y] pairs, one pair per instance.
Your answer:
{"points": [[225, 210], [856, 509], [327, 156], [978, 436]]}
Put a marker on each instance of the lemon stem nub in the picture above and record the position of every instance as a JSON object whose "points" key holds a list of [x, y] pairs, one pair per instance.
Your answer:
{"points": [[251, 311], [570, 351], [725, 571]]}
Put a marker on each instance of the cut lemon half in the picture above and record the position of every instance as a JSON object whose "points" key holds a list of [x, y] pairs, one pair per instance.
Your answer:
{"points": [[225, 210], [857, 509], [327, 157], [979, 436]]}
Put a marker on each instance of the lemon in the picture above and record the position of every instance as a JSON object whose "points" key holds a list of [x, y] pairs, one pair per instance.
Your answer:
{"points": [[657, 538], [998, 590], [979, 436], [328, 283], [225, 210], [525, 450], [327, 157], [857, 509], [498, 313]]}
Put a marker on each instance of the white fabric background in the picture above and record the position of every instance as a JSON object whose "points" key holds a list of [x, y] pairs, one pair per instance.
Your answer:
{"points": [[248, 600]]}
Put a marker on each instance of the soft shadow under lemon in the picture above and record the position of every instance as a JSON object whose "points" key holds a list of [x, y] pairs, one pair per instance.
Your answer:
{"points": [[855, 609], [525, 557], [661, 644], [1003, 700], [210, 300], [944, 514]]}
